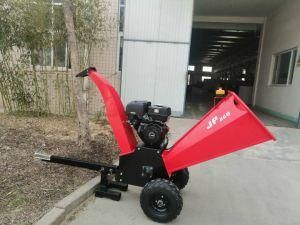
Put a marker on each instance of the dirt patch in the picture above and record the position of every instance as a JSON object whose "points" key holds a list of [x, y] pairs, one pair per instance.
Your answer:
{"points": [[28, 187]]}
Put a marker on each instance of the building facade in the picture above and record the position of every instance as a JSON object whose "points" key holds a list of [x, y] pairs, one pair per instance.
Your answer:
{"points": [[150, 53], [157, 45]]}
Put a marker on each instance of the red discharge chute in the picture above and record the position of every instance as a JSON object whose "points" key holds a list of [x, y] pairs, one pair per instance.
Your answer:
{"points": [[228, 127], [115, 113]]}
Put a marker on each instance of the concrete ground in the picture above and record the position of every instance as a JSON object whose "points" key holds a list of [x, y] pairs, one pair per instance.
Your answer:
{"points": [[259, 186]]}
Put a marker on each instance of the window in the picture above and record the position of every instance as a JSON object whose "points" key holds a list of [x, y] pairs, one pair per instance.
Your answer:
{"points": [[56, 55], [284, 67], [189, 79], [43, 57], [205, 78], [122, 15], [191, 68], [60, 55], [121, 35], [121, 53], [207, 69]]}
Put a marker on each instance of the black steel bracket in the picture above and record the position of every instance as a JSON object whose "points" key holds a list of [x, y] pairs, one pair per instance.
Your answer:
{"points": [[85, 72], [103, 191], [80, 163]]}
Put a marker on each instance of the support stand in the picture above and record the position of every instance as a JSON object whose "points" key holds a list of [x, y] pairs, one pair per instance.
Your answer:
{"points": [[103, 190]]}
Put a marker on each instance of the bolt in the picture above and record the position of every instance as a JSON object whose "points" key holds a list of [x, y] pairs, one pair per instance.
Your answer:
{"points": [[160, 203], [121, 180]]}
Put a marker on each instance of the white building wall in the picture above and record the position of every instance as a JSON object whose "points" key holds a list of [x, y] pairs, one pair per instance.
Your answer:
{"points": [[156, 50], [282, 32]]}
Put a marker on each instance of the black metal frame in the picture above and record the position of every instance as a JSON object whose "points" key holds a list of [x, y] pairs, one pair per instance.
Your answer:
{"points": [[81, 164], [103, 189], [136, 168], [141, 166]]}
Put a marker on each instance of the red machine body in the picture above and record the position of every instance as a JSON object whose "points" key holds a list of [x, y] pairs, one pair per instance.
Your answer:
{"points": [[227, 127]]}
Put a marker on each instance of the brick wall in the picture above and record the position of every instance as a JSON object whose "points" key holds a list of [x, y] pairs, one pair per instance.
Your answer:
{"points": [[105, 59], [57, 85]]}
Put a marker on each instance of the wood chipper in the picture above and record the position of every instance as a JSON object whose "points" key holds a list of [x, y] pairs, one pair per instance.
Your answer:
{"points": [[162, 171]]}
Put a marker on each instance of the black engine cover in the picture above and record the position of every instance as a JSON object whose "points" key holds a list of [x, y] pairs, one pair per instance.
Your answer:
{"points": [[160, 113], [137, 108], [152, 134]]}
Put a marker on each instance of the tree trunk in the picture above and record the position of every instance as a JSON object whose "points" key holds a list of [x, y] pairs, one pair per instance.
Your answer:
{"points": [[84, 137]]}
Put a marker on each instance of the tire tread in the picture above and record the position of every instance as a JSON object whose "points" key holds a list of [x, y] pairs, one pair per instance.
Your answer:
{"points": [[169, 186]]}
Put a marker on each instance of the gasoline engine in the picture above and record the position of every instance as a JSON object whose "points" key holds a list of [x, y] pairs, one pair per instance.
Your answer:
{"points": [[149, 121]]}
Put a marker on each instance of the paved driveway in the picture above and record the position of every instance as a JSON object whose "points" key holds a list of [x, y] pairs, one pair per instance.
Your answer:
{"points": [[260, 186]]}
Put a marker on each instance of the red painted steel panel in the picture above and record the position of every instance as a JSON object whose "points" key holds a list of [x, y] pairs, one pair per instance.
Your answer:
{"points": [[228, 127], [115, 113]]}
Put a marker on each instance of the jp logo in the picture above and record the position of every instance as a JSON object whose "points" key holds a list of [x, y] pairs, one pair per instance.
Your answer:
{"points": [[217, 119]]}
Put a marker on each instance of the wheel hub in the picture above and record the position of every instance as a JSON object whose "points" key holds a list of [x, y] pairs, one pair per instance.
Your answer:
{"points": [[160, 203]]}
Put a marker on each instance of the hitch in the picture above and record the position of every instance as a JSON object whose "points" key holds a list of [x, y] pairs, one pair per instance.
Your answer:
{"points": [[42, 156], [103, 189]]}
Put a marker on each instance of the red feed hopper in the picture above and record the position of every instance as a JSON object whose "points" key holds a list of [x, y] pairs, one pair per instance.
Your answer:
{"points": [[228, 127]]}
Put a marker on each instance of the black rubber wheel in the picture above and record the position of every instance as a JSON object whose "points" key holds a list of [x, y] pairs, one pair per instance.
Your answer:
{"points": [[161, 200], [181, 178]]}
